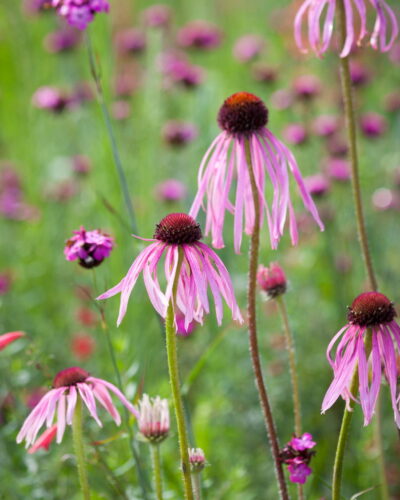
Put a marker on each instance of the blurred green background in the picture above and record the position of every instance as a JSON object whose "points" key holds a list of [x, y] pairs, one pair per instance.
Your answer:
{"points": [[325, 270]]}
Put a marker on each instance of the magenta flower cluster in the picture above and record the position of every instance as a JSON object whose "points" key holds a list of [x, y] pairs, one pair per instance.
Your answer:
{"points": [[89, 247], [297, 455], [79, 13]]}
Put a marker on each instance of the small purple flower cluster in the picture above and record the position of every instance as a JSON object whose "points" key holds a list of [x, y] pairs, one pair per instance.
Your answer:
{"points": [[90, 247], [80, 13], [297, 455]]}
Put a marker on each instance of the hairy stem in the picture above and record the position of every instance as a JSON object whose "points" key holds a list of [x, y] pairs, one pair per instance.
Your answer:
{"points": [[252, 324], [173, 368], [77, 436], [348, 101], [290, 347], [155, 459], [110, 132], [345, 427]]}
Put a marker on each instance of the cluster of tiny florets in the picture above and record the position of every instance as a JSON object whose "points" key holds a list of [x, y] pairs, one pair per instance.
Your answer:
{"points": [[242, 113], [178, 229], [371, 308]]}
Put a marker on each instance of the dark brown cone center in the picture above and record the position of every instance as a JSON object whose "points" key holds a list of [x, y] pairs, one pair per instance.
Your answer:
{"points": [[242, 113], [371, 308], [178, 229], [70, 376]]}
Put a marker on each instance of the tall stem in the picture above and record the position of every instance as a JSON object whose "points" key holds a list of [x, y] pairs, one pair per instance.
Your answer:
{"points": [[77, 436], [196, 481], [175, 386], [290, 347], [352, 139], [110, 131], [292, 365], [252, 320], [345, 427], [155, 459], [383, 487]]}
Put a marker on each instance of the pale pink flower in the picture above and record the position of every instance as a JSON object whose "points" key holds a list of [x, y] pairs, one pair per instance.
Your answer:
{"points": [[153, 419], [243, 117], [69, 385], [320, 15], [374, 311], [7, 338], [197, 459], [201, 267]]}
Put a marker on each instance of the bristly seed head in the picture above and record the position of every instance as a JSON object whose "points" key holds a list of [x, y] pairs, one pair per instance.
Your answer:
{"points": [[371, 308], [242, 113], [70, 376], [178, 229]]}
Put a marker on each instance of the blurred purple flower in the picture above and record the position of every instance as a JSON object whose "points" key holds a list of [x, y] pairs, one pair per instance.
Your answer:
{"points": [[62, 40], [337, 145], [325, 125], [298, 470], [32, 7], [372, 125], [5, 282], [50, 98], [178, 70], [375, 312], [171, 190], [121, 110], [359, 74], [263, 73], [12, 205], [282, 99], [385, 199], [306, 87], [243, 117], [382, 36], [317, 185], [200, 35], [295, 133], [179, 234], [272, 280], [81, 165], [178, 133], [69, 385], [90, 247], [248, 47], [157, 16], [130, 41], [297, 455], [338, 169], [80, 13]]}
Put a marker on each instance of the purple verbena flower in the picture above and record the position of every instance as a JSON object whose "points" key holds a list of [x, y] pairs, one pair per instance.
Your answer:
{"points": [[320, 23], [243, 117], [375, 312], [90, 247], [179, 234], [69, 385], [80, 13]]}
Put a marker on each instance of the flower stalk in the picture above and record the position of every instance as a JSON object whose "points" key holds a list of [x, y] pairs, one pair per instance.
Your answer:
{"points": [[252, 325], [77, 436], [175, 385], [155, 459]]}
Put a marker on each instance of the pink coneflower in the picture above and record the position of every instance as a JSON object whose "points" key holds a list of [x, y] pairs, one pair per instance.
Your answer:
{"points": [[248, 47], [179, 234], [90, 247], [200, 35], [178, 133], [297, 455], [69, 385], [382, 36], [375, 312], [243, 117], [171, 190], [44, 440], [153, 419], [8, 338], [272, 280], [80, 13]]}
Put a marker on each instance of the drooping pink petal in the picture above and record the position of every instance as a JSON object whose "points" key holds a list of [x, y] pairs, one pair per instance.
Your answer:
{"points": [[7, 338], [117, 392], [101, 394], [44, 440]]}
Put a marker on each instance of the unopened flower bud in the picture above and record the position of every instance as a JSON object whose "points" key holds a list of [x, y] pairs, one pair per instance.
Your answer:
{"points": [[272, 280], [197, 459], [153, 419]]}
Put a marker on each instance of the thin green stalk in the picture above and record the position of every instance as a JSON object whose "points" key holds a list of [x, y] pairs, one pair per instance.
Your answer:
{"points": [[110, 131], [173, 368], [290, 347], [253, 342], [348, 101], [345, 427], [292, 364], [196, 481], [77, 436], [155, 459]]}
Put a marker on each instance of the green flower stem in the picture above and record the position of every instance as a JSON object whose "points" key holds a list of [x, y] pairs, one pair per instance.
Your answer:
{"points": [[292, 365], [110, 131], [196, 481], [345, 427], [383, 487], [77, 436], [175, 386], [252, 325], [352, 140], [290, 347], [155, 459]]}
